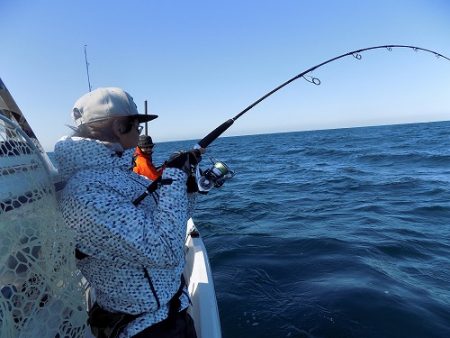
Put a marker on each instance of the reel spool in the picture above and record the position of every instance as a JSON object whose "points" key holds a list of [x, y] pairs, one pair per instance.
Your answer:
{"points": [[214, 176]]}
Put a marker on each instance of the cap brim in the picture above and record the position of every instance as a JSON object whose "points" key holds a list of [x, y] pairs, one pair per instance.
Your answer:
{"points": [[145, 118]]}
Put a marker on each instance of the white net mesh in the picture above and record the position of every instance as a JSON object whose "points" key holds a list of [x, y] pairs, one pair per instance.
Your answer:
{"points": [[41, 294]]}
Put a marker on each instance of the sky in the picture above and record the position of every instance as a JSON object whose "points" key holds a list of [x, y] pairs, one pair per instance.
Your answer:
{"points": [[199, 63]]}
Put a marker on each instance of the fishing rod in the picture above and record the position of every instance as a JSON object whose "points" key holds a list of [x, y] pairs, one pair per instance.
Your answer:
{"points": [[208, 139], [216, 175]]}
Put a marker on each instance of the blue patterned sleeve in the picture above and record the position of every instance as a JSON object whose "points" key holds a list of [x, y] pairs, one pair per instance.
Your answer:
{"points": [[192, 202]]}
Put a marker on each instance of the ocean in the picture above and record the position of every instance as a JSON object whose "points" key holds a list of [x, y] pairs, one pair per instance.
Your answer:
{"points": [[336, 233], [339, 233]]}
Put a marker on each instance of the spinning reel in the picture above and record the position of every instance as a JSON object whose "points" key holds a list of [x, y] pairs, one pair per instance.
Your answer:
{"points": [[215, 176]]}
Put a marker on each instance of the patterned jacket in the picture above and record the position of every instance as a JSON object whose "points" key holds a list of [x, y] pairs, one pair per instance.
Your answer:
{"points": [[135, 254]]}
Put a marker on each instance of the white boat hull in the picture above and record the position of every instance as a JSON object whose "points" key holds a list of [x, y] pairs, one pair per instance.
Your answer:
{"points": [[198, 276]]}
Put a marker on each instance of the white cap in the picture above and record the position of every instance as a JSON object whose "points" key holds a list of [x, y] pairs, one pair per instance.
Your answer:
{"points": [[105, 103]]}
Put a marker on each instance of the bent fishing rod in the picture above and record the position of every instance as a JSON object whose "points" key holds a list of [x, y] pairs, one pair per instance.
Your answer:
{"points": [[212, 136], [221, 168]]}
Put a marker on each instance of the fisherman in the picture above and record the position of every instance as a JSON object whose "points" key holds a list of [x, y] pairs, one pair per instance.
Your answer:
{"points": [[143, 162], [132, 256]]}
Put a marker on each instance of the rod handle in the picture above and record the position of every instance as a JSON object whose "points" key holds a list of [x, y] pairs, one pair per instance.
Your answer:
{"points": [[208, 139]]}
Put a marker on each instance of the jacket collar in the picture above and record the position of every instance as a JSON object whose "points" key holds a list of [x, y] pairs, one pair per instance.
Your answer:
{"points": [[76, 153]]}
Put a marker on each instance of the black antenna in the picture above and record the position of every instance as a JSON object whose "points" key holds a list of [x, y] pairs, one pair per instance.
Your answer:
{"points": [[146, 113], [87, 67]]}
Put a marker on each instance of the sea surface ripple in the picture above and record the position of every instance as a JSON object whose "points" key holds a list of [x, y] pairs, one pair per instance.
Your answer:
{"points": [[335, 233], [339, 233]]}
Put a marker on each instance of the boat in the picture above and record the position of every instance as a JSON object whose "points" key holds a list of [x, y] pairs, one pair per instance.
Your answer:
{"points": [[42, 293]]}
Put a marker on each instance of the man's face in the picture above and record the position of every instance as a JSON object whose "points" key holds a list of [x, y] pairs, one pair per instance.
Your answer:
{"points": [[130, 138], [147, 150]]}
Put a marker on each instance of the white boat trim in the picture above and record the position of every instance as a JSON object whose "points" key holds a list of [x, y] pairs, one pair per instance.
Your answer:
{"points": [[197, 272]]}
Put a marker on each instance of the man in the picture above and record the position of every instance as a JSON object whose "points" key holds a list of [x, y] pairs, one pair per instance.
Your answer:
{"points": [[143, 164], [132, 256]]}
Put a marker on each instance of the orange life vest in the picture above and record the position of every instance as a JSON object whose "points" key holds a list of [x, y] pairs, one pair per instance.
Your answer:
{"points": [[144, 166]]}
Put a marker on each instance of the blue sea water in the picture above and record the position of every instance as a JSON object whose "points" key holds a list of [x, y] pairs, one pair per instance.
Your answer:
{"points": [[331, 234], [336, 233]]}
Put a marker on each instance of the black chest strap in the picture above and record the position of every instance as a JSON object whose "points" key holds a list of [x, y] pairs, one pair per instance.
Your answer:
{"points": [[152, 188]]}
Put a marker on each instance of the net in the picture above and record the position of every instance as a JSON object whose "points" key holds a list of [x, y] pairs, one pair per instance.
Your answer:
{"points": [[41, 291]]}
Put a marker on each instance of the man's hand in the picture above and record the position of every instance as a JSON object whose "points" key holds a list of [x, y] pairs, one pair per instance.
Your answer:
{"points": [[184, 160]]}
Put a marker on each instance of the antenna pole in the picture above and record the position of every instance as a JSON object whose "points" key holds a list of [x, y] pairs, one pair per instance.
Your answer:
{"points": [[87, 67], [146, 113]]}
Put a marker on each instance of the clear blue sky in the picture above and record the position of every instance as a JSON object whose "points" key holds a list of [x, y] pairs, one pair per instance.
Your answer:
{"points": [[199, 63]]}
